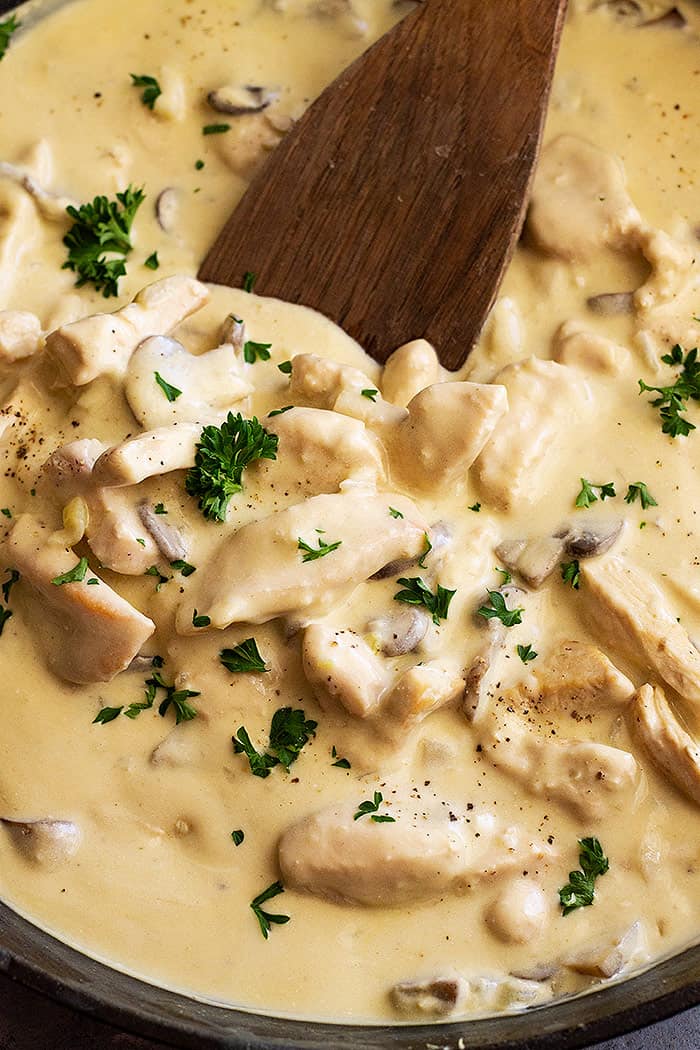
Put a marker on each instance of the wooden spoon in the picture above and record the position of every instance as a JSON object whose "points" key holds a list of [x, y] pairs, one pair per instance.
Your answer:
{"points": [[394, 205]]}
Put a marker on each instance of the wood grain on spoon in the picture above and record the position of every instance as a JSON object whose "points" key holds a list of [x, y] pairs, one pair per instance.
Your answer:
{"points": [[394, 205]]}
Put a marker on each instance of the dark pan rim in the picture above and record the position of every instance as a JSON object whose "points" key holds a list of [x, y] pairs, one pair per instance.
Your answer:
{"points": [[37, 959]]}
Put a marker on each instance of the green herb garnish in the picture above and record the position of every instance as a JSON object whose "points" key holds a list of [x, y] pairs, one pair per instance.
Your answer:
{"points": [[265, 919], [100, 232], [151, 89], [672, 400], [222, 455], [526, 653], [497, 609], [341, 763], [571, 573], [243, 658], [171, 392], [638, 490], [371, 807], [253, 352], [183, 567], [237, 837], [107, 714], [200, 620], [579, 891], [395, 513], [416, 592], [75, 575], [215, 129], [7, 28], [290, 730], [313, 553], [426, 552], [587, 494], [152, 262], [249, 280], [370, 394], [286, 367], [12, 578]]}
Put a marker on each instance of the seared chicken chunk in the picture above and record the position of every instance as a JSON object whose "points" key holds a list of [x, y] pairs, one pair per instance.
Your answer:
{"points": [[579, 678], [670, 747]]}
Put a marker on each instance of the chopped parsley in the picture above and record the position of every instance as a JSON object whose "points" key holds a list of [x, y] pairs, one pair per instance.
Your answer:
{"points": [[183, 567], [107, 714], [672, 400], [249, 280], [476, 507], [526, 653], [151, 89], [371, 808], [638, 490], [286, 367], [279, 411], [243, 658], [341, 763], [253, 352], [75, 575], [237, 837], [7, 28], [395, 513], [290, 730], [200, 620], [199, 164], [265, 919], [215, 129], [571, 573], [496, 608], [153, 570], [587, 495], [313, 553], [507, 578], [171, 392], [6, 511], [426, 552], [579, 891], [13, 577], [5, 615], [222, 455], [152, 262], [98, 241], [370, 393], [159, 509], [416, 592], [178, 699]]}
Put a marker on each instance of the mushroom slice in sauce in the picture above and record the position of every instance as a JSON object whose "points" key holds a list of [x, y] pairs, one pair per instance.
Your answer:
{"points": [[609, 304], [167, 538], [400, 633], [240, 100], [434, 997], [46, 842], [167, 208], [440, 536], [533, 560], [671, 19], [608, 957], [592, 539], [233, 332]]}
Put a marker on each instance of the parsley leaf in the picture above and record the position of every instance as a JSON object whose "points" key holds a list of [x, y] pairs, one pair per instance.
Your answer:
{"points": [[476, 507], [153, 570], [249, 280], [313, 553], [526, 653], [285, 366], [416, 592], [200, 619], [253, 352], [222, 455], [265, 919], [215, 129], [498, 609], [672, 400], [426, 552], [151, 89], [107, 714], [159, 509], [395, 513], [5, 615], [179, 698], [371, 807], [638, 490], [237, 836], [75, 575], [171, 392], [579, 891], [507, 578], [243, 657], [290, 730], [152, 262], [7, 28], [370, 393], [279, 411], [99, 230], [587, 494], [571, 573], [6, 511], [341, 763], [183, 567], [9, 583]]}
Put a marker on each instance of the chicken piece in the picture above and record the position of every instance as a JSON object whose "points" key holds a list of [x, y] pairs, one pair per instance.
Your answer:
{"points": [[579, 202], [418, 692], [447, 426], [90, 632], [20, 224], [209, 384], [320, 383], [577, 346], [607, 958], [68, 470], [668, 745], [410, 369], [628, 611], [435, 997], [325, 447], [341, 668], [534, 560], [171, 104], [259, 572], [20, 335], [666, 304], [546, 402], [47, 842], [438, 535], [413, 858], [116, 533], [103, 343], [582, 775], [579, 678], [148, 455]]}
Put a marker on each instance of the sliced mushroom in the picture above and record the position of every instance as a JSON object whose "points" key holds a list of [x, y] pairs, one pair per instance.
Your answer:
{"points": [[609, 304], [240, 100], [233, 332], [209, 384], [46, 842], [593, 538], [167, 208], [400, 633], [439, 535], [671, 19], [609, 957], [630, 11], [169, 540], [434, 997], [533, 560], [50, 205]]}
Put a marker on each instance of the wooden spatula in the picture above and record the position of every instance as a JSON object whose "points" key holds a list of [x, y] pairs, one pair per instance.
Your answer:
{"points": [[394, 205]]}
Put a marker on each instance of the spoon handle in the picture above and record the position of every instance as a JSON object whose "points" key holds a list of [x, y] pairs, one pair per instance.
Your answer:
{"points": [[394, 205]]}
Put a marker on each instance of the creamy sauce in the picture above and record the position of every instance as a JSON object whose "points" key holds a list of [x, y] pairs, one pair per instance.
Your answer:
{"points": [[498, 787]]}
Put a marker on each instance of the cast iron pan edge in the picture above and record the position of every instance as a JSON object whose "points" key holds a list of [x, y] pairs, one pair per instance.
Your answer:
{"points": [[30, 955]]}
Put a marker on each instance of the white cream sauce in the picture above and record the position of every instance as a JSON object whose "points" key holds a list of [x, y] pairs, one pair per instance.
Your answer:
{"points": [[463, 885]]}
